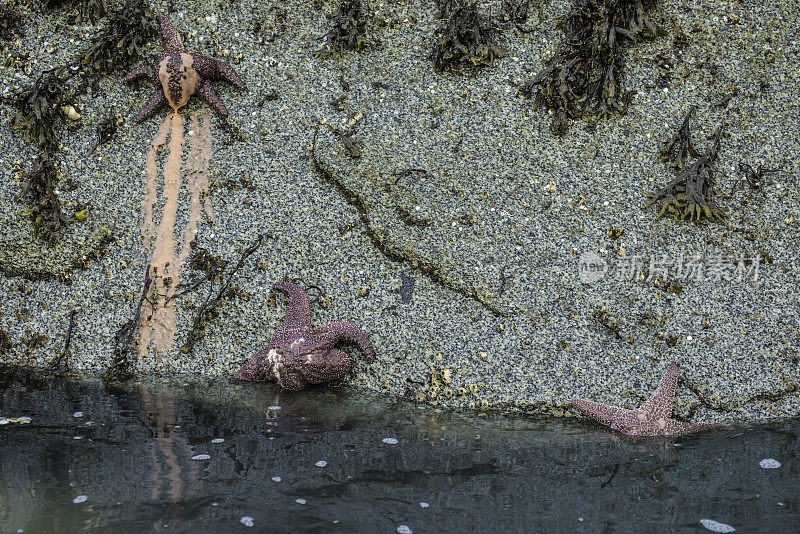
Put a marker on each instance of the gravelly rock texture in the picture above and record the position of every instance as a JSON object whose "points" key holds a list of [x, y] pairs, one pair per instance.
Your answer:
{"points": [[440, 213]]}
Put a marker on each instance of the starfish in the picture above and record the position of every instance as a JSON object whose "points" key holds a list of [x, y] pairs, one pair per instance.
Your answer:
{"points": [[653, 418], [178, 74], [297, 355]]}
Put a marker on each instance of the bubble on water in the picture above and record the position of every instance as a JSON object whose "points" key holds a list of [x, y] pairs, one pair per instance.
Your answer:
{"points": [[321, 463], [276, 479], [300, 501], [217, 440], [403, 529], [769, 463], [77, 414], [716, 526], [201, 457], [79, 499], [247, 521], [390, 441]]}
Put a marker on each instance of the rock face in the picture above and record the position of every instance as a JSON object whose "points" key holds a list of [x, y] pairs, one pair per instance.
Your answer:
{"points": [[491, 263]]}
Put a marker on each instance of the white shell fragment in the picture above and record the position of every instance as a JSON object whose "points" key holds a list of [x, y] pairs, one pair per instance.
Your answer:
{"points": [[716, 526], [71, 113]]}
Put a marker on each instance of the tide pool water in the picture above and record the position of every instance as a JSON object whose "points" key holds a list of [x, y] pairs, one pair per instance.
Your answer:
{"points": [[222, 457]]}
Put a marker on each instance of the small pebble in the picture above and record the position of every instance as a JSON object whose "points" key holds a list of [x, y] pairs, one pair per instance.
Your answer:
{"points": [[201, 457], [77, 437], [217, 440], [274, 408], [423, 505], [276, 479], [390, 441], [247, 521], [769, 463], [715, 526], [77, 414], [300, 501], [79, 499], [321, 463], [403, 529]]}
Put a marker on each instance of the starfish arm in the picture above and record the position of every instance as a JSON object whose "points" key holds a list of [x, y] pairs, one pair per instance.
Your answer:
{"points": [[321, 367], [659, 405], [337, 366], [170, 36], [156, 101], [214, 69], [257, 369], [206, 92], [347, 333], [612, 416], [297, 321], [139, 73], [678, 428]]}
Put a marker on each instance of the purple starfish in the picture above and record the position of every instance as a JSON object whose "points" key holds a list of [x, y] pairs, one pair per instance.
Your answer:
{"points": [[653, 418], [297, 355], [178, 74]]}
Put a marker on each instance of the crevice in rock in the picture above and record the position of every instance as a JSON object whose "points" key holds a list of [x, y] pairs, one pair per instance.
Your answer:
{"points": [[414, 261]]}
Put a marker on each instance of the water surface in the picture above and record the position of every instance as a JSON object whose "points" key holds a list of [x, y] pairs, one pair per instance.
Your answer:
{"points": [[131, 459]]}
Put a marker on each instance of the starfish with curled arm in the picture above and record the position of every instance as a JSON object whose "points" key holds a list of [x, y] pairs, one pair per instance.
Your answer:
{"points": [[178, 74], [653, 418], [297, 355]]}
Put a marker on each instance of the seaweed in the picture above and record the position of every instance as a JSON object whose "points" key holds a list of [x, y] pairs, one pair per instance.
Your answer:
{"points": [[107, 129], [675, 150], [38, 106], [583, 76], [10, 20], [351, 145], [120, 368], [90, 10], [348, 32], [5, 342], [39, 192], [123, 40], [212, 266], [516, 12], [466, 40], [754, 178], [691, 194], [61, 363]]}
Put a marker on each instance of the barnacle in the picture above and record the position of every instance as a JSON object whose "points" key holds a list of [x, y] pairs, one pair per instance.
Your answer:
{"points": [[691, 194], [123, 40], [583, 76], [348, 31], [466, 40]]}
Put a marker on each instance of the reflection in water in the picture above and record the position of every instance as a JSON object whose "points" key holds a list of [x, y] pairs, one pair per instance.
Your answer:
{"points": [[172, 475], [322, 461]]}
